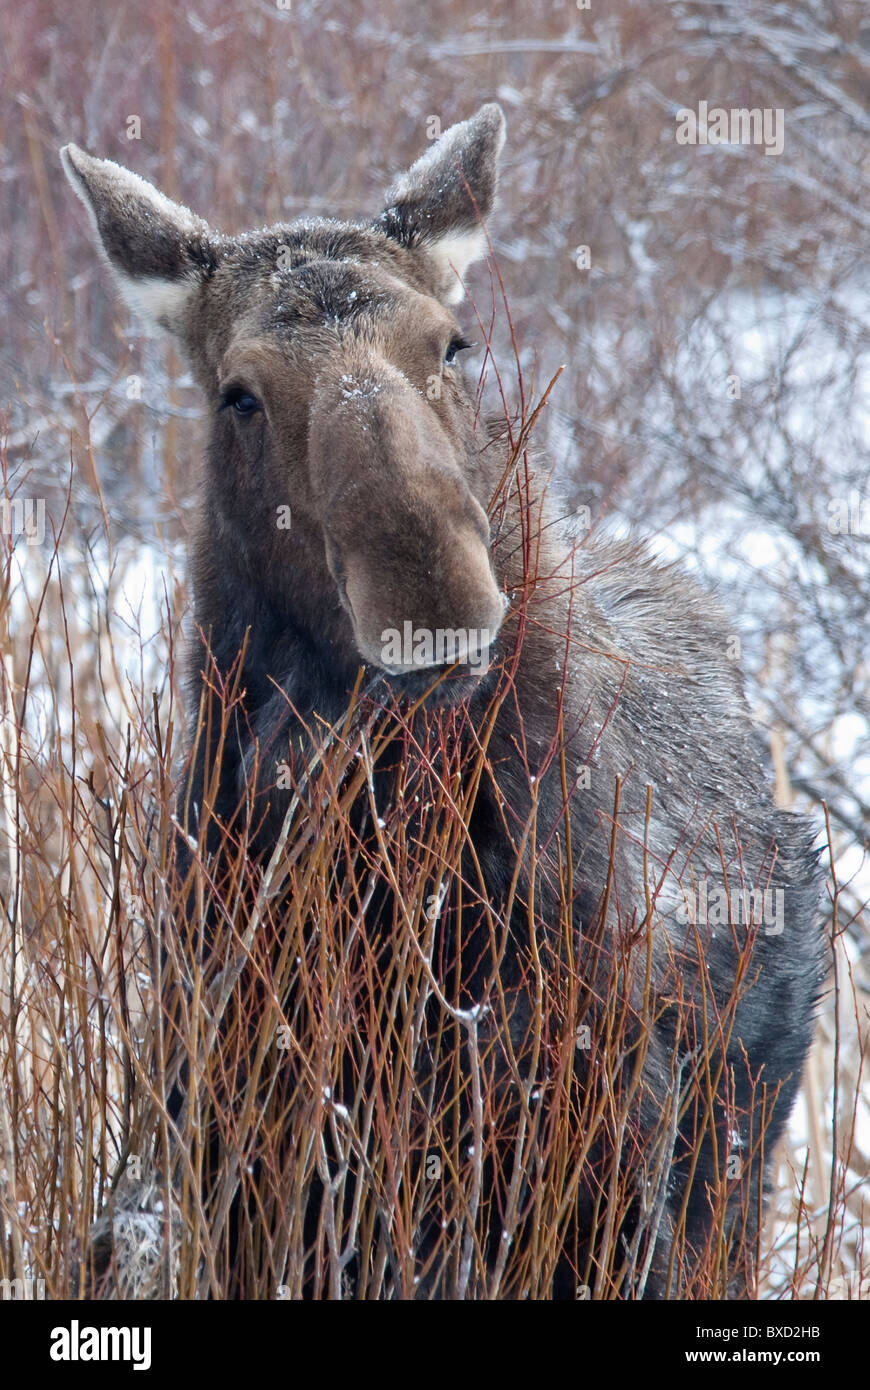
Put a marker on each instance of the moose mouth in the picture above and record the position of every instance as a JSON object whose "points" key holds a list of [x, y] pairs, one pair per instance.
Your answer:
{"points": [[435, 687], [440, 668]]}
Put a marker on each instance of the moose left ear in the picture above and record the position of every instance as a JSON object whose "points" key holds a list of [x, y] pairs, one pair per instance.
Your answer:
{"points": [[440, 203], [160, 251]]}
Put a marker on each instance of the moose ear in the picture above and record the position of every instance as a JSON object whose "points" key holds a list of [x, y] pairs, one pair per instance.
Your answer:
{"points": [[440, 203], [159, 250]]}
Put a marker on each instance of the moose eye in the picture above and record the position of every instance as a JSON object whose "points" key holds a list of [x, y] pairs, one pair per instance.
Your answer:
{"points": [[457, 345], [241, 401]]}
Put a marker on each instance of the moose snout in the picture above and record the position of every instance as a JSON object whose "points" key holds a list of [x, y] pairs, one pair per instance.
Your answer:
{"points": [[406, 541], [415, 606]]}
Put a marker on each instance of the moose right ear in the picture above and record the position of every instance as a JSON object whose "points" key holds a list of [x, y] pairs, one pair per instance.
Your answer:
{"points": [[159, 250], [441, 202]]}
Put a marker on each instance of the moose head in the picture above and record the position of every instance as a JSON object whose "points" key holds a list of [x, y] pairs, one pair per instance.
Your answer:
{"points": [[329, 356]]}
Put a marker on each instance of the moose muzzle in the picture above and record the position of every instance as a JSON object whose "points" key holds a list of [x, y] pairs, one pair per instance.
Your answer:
{"points": [[407, 543]]}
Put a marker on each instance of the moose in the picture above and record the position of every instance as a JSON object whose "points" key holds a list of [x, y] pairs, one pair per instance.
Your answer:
{"points": [[620, 951]]}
